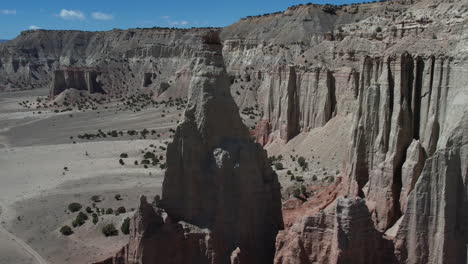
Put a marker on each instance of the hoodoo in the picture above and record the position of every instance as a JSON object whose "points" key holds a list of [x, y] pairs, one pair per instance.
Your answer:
{"points": [[221, 199]]}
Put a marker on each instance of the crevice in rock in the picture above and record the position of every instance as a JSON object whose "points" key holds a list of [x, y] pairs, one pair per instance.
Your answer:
{"points": [[293, 106], [332, 94], [417, 97], [397, 185]]}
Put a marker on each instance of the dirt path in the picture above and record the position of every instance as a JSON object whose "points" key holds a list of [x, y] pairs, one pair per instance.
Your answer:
{"points": [[20, 242]]}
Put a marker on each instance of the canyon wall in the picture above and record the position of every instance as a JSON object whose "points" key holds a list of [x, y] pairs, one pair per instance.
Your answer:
{"points": [[125, 60], [396, 68]]}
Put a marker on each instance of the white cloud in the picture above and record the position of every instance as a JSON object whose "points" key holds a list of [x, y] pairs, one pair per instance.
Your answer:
{"points": [[174, 23], [32, 27], [72, 14], [7, 12], [102, 16]]}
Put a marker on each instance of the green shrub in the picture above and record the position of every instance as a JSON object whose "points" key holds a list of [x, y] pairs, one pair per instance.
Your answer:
{"points": [[296, 192], [74, 207], [95, 218], [378, 29], [89, 210], [302, 163], [121, 162], [109, 230], [121, 210], [66, 230], [149, 155], [96, 198], [278, 166], [124, 155], [109, 211], [80, 219], [118, 197], [125, 228]]}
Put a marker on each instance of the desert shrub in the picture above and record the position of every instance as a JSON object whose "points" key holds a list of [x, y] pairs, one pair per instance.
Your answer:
{"points": [[162, 166], [124, 155], [109, 211], [74, 207], [121, 210], [95, 218], [278, 166], [121, 162], [96, 198], [89, 210], [118, 197], [66, 230], [378, 29], [303, 190], [149, 155], [125, 228], [80, 219], [296, 192], [302, 162], [109, 230], [314, 178]]}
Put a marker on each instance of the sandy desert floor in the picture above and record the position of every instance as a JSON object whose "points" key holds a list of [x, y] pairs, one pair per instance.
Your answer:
{"points": [[35, 187], [45, 164]]}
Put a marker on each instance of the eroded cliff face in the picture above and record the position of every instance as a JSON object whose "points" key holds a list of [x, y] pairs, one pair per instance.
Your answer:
{"points": [[433, 228], [404, 98], [342, 233], [397, 68], [126, 60], [77, 78], [220, 196]]}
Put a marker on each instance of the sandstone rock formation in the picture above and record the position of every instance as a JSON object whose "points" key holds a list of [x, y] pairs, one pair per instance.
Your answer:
{"points": [[77, 78], [433, 228], [342, 233], [397, 68], [220, 194], [125, 60]]}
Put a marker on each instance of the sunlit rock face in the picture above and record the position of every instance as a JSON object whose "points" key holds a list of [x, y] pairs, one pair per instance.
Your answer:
{"points": [[220, 194]]}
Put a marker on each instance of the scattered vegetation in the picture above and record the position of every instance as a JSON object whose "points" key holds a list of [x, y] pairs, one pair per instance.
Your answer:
{"points": [[109, 230], [66, 230], [95, 218], [96, 198], [125, 228], [80, 219], [121, 210], [74, 207], [302, 163]]}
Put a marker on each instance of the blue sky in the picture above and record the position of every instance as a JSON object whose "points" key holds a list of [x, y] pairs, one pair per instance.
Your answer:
{"points": [[19, 15]]}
